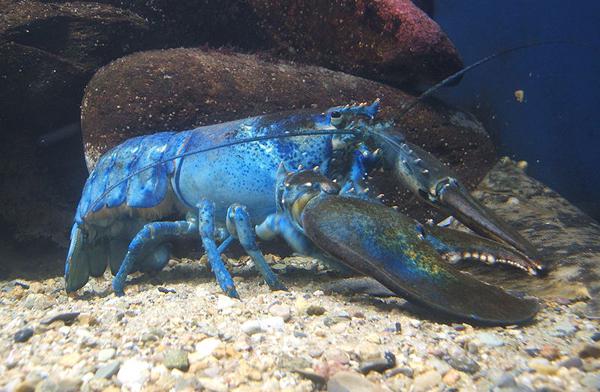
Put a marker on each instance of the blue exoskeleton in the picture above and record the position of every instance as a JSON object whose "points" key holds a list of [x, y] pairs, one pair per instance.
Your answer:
{"points": [[230, 181]]}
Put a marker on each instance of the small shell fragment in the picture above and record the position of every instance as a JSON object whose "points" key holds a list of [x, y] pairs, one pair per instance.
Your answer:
{"points": [[520, 95]]}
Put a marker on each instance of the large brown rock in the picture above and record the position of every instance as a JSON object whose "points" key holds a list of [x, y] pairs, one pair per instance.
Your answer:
{"points": [[386, 40], [184, 88]]}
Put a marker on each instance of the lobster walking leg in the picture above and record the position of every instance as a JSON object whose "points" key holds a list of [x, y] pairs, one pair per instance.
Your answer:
{"points": [[147, 239], [279, 224], [240, 227], [206, 226]]}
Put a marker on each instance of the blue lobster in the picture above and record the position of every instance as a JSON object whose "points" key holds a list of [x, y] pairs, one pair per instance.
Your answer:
{"points": [[217, 182]]}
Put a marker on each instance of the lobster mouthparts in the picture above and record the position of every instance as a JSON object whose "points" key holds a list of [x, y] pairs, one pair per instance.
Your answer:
{"points": [[378, 242]]}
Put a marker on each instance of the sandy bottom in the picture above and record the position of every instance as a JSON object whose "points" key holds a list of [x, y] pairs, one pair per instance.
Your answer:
{"points": [[176, 331]]}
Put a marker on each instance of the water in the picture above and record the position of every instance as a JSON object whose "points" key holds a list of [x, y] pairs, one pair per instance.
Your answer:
{"points": [[557, 128]]}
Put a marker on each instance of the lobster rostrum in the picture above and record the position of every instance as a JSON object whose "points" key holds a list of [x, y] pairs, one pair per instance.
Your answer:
{"points": [[217, 182]]}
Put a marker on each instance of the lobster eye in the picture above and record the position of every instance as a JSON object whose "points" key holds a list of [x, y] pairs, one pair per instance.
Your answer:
{"points": [[336, 118]]}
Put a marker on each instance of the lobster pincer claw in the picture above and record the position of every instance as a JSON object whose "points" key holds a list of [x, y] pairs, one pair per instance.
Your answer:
{"points": [[454, 197], [376, 241], [429, 178]]}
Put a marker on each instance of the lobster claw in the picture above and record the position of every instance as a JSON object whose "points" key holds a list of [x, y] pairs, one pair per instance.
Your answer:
{"points": [[379, 242], [426, 176]]}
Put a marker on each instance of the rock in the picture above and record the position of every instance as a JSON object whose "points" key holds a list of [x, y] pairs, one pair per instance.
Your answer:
{"points": [[213, 385], [590, 351], [251, 327], [451, 377], [315, 310], [426, 381], [489, 339], [184, 88], [205, 349], [550, 352], [378, 365], [543, 366], [281, 311], [47, 385], [591, 382], [108, 370], [65, 317], [506, 381], [106, 354], [390, 40], [346, 381], [267, 324], [48, 52], [596, 336], [176, 359], [69, 360], [572, 363], [38, 302], [564, 328], [225, 302], [459, 360], [133, 374], [23, 335]]}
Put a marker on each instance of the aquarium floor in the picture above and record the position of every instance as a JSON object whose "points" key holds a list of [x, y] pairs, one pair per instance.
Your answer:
{"points": [[176, 330]]}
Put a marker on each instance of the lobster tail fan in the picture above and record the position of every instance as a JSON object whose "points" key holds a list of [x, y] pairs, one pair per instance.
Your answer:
{"points": [[77, 267]]}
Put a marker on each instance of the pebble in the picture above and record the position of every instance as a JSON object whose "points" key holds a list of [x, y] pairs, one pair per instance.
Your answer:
{"points": [[451, 377], [23, 335], [346, 381], [225, 302], [204, 349], [176, 359], [270, 324], [281, 311], [590, 351], [108, 370], [70, 360], [506, 381], [133, 374], [489, 339], [543, 366], [315, 310], [36, 301], [68, 317], [549, 352], [460, 361], [426, 381], [591, 381], [563, 329], [596, 336], [379, 365], [574, 362], [106, 354], [213, 385]]}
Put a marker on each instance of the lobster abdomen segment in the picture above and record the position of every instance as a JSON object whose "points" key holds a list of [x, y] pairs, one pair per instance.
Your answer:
{"points": [[106, 188]]}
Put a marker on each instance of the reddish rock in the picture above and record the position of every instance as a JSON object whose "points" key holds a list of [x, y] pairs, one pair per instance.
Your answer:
{"points": [[387, 40]]}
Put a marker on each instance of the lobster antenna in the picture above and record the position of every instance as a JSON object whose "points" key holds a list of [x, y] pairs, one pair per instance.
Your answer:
{"points": [[456, 75], [229, 144]]}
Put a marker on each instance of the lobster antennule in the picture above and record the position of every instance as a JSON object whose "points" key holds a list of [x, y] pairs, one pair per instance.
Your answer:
{"points": [[375, 241]]}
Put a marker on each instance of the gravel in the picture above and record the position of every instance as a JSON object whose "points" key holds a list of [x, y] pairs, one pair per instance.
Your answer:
{"points": [[194, 337]]}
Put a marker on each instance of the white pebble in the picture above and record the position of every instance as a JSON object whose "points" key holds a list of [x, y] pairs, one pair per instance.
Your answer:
{"points": [[134, 374]]}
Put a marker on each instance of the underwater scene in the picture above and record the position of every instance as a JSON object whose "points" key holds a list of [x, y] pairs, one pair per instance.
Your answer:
{"points": [[271, 195]]}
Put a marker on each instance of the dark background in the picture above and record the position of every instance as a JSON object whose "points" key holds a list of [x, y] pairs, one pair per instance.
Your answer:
{"points": [[557, 128]]}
